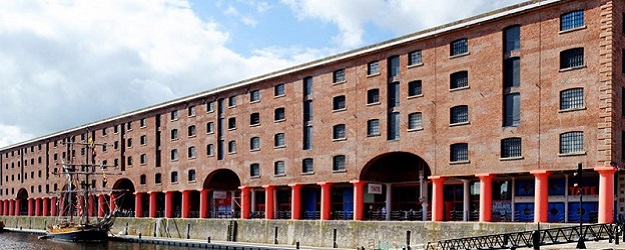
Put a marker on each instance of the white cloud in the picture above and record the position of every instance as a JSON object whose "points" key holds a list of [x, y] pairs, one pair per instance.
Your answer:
{"points": [[11, 135]]}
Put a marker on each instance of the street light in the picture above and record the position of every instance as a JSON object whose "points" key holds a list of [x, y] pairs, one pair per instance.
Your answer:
{"points": [[578, 184]]}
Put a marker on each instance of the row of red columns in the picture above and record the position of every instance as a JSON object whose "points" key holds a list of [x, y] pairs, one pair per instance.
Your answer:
{"points": [[46, 206], [541, 197]]}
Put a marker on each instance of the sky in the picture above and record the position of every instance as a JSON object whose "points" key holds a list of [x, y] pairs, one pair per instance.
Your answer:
{"points": [[66, 63]]}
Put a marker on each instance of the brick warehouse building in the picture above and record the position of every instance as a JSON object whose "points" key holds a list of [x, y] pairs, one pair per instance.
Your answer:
{"points": [[484, 119]]}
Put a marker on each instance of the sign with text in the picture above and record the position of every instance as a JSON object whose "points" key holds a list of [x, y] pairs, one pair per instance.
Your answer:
{"points": [[374, 188], [220, 195]]}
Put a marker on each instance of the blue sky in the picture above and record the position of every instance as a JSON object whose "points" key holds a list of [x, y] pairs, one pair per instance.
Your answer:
{"points": [[65, 63]]}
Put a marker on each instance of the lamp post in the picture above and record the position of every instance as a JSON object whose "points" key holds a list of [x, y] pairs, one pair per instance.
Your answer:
{"points": [[578, 180]]}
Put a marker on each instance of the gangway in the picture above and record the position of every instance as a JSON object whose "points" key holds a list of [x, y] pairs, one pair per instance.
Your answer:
{"points": [[525, 239]]}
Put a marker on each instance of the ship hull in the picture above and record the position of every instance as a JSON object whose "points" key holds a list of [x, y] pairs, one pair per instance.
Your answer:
{"points": [[80, 235]]}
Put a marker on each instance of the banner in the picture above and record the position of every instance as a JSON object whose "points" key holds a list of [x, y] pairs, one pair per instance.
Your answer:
{"points": [[374, 188]]}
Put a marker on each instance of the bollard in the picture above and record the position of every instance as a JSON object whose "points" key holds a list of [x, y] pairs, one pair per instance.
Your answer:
{"points": [[139, 235], [188, 230], [408, 240], [536, 239], [334, 245], [297, 244], [275, 235], [208, 239]]}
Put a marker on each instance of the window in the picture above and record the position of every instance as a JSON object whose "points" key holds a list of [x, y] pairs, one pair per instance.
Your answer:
{"points": [[191, 177], [459, 47], [393, 126], [308, 111], [255, 143], [512, 72], [338, 76], [512, 110], [210, 151], [157, 178], [174, 134], [459, 80], [278, 114], [307, 166], [191, 111], [571, 99], [511, 147], [103, 134], [254, 170], [191, 131], [142, 123], [373, 96], [512, 38], [308, 86], [338, 132], [232, 123], [174, 115], [129, 144], [393, 95], [278, 168], [232, 101], [210, 107], [210, 127], [129, 160], [338, 103], [373, 68], [279, 140], [572, 20], [414, 58], [415, 121], [373, 127], [279, 90], [459, 114], [338, 163], [191, 153], [174, 177], [128, 127], [393, 66], [232, 147], [307, 144], [459, 152], [254, 119], [143, 159], [142, 179], [572, 58], [572, 142], [414, 88], [143, 140], [174, 154], [255, 96]]}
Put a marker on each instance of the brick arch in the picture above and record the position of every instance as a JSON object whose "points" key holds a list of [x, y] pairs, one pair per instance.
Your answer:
{"points": [[124, 189], [395, 167], [222, 179]]}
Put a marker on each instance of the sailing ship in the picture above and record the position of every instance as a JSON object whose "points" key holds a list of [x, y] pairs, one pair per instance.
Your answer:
{"points": [[73, 223]]}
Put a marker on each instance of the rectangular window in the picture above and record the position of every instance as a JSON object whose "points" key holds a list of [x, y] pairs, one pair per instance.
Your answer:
{"points": [[278, 168], [174, 134], [232, 123], [191, 152], [143, 159], [232, 101], [459, 80], [254, 119], [512, 72], [572, 99], [373, 68], [308, 133], [338, 103], [338, 132], [254, 170], [174, 115], [279, 90], [255, 143], [307, 166], [572, 142], [308, 111], [459, 47], [174, 177], [459, 152], [512, 38], [255, 96], [142, 123], [414, 88], [308, 85], [459, 114], [338, 76], [232, 147], [143, 140], [572, 58], [415, 121], [393, 126], [279, 114], [393, 66], [191, 111], [393, 95], [279, 140], [572, 20], [210, 127], [210, 107], [338, 163], [191, 131], [511, 148], [414, 58], [174, 154], [210, 150], [373, 96], [512, 109], [373, 127]]}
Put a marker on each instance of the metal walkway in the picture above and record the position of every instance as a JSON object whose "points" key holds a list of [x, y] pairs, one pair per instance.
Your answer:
{"points": [[543, 237]]}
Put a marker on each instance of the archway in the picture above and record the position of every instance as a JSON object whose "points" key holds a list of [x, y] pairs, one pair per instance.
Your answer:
{"points": [[125, 198], [397, 187], [22, 198], [224, 201]]}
